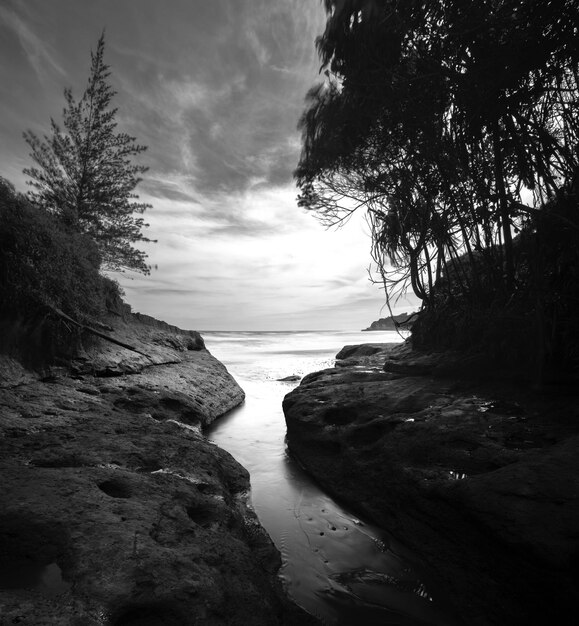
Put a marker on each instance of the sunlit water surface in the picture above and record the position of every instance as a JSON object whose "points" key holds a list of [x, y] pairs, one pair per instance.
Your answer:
{"points": [[335, 565]]}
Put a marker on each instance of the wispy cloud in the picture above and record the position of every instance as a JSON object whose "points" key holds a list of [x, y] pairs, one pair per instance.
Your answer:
{"points": [[39, 54], [231, 118]]}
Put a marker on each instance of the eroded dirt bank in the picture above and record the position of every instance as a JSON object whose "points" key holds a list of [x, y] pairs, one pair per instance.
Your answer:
{"points": [[480, 477], [115, 509]]}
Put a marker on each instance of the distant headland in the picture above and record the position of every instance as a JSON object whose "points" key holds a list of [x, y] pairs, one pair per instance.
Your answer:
{"points": [[392, 322]]}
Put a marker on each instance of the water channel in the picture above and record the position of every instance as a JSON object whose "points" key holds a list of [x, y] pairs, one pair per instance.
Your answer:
{"points": [[337, 566]]}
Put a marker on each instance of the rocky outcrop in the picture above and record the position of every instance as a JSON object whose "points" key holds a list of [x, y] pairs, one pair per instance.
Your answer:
{"points": [[404, 321], [372, 354], [480, 477], [115, 509]]}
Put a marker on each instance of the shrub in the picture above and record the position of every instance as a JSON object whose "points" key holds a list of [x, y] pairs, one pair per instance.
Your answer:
{"points": [[45, 270], [42, 265]]}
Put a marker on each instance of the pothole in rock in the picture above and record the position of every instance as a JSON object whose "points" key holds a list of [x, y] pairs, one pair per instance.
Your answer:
{"points": [[116, 488], [148, 615], [28, 555], [207, 488], [135, 403], [202, 514], [185, 409], [45, 578], [173, 404]]}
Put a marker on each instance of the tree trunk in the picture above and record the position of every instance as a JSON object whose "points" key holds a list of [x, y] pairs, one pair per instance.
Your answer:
{"points": [[503, 210]]}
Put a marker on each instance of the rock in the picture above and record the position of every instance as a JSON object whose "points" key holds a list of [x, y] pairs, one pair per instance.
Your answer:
{"points": [[115, 509], [371, 354], [480, 478], [293, 378], [153, 343]]}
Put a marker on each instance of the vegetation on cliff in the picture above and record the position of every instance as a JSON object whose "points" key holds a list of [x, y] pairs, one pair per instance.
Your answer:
{"points": [[46, 273], [85, 175], [43, 264], [455, 128], [78, 221]]}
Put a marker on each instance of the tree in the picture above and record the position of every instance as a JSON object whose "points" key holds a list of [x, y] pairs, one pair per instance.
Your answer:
{"points": [[454, 126], [434, 118], [85, 173]]}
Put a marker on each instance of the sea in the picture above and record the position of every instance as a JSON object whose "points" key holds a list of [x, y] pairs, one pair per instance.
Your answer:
{"points": [[337, 566]]}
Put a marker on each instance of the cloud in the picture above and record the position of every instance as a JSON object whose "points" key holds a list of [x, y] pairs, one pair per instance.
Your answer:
{"points": [[172, 186], [39, 54], [215, 90], [223, 111], [261, 52], [266, 266]]}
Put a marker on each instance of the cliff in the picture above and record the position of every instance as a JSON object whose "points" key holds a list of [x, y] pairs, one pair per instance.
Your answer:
{"points": [[115, 509], [478, 475]]}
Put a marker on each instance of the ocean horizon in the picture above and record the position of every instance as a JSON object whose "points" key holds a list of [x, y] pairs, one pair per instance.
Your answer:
{"points": [[271, 355]]}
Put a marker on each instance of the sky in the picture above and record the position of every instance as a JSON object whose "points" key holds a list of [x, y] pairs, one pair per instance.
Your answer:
{"points": [[214, 89]]}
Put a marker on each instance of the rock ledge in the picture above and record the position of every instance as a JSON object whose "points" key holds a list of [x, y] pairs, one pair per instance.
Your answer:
{"points": [[115, 509], [480, 477]]}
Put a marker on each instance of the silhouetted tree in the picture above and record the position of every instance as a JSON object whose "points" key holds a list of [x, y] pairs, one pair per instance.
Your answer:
{"points": [[85, 173], [435, 117]]}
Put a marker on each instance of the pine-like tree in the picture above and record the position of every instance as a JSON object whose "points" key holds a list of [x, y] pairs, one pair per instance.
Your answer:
{"points": [[85, 174]]}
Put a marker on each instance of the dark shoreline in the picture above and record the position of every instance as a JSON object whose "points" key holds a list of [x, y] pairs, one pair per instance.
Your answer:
{"points": [[480, 477]]}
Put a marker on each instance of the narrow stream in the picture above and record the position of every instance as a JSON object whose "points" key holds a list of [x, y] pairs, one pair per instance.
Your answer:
{"points": [[336, 566]]}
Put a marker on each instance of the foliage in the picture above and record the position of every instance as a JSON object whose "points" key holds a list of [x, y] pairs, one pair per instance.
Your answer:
{"points": [[85, 175], [537, 329], [452, 125], [43, 266]]}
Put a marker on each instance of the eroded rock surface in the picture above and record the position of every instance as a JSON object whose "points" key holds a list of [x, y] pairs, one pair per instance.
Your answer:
{"points": [[480, 477], [115, 509]]}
